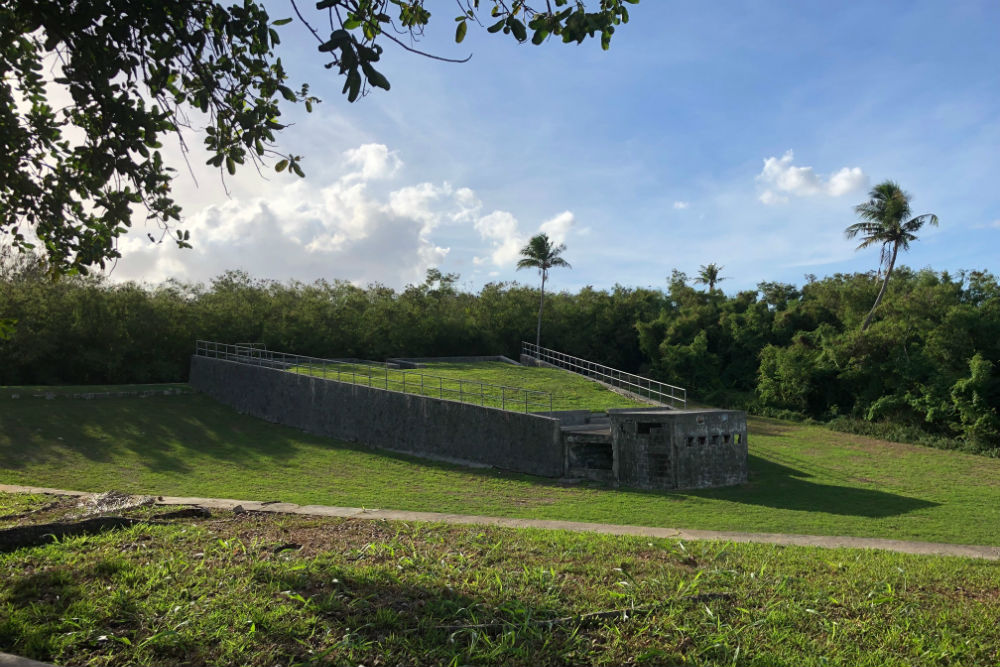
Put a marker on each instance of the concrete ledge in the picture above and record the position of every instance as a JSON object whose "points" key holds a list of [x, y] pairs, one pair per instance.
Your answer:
{"points": [[8, 660]]}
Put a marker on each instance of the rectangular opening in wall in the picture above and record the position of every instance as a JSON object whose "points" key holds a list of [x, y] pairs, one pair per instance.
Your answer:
{"points": [[725, 438], [643, 428], [701, 440], [715, 439], [690, 440], [737, 439]]}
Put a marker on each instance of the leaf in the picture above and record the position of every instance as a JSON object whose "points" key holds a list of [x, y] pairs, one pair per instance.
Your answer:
{"points": [[520, 32], [280, 167], [460, 31], [282, 22]]}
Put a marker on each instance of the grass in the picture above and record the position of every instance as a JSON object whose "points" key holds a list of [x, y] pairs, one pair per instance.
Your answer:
{"points": [[803, 479], [46, 391], [264, 590], [491, 383]]}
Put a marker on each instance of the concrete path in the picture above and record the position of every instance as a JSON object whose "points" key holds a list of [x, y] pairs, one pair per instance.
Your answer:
{"points": [[902, 546]]}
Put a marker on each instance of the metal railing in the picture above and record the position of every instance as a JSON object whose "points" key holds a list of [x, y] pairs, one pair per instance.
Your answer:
{"points": [[384, 376], [635, 384]]}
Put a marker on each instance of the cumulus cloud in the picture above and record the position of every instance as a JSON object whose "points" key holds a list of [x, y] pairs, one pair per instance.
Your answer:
{"points": [[557, 228], [372, 161], [781, 179], [681, 205], [349, 229], [502, 230]]}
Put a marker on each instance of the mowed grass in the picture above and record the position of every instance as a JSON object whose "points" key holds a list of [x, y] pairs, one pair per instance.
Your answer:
{"points": [[490, 383], [266, 590], [51, 391], [803, 479]]}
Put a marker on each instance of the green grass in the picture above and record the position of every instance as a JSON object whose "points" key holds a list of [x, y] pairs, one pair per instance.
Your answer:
{"points": [[803, 479], [54, 391], [266, 590], [491, 383]]}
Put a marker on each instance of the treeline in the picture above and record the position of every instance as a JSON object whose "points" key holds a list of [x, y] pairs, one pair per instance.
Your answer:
{"points": [[928, 368], [928, 365]]}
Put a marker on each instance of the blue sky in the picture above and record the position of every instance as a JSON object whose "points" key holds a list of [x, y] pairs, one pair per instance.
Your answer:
{"points": [[740, 133]]}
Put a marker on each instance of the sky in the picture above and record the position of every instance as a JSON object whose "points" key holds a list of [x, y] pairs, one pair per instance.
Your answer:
{"points": [[736, 133]]}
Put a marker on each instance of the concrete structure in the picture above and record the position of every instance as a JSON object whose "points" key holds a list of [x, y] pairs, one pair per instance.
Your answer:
{"points": [[654, 448], [658, 448], [429, 427]]}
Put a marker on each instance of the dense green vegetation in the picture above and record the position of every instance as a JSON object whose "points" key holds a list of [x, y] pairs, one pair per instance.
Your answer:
{"points": [[803, 479], [265, 590], [927, 369]]}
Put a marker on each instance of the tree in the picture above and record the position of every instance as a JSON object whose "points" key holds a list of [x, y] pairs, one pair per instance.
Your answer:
{"points": [[709, 275], [542, 255], [72, 177], [885, 219]]}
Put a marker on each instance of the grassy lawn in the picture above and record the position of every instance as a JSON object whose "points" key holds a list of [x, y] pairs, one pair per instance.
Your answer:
{"points": [[44, 391], [490, 383], [803, 479], [264, 590]]}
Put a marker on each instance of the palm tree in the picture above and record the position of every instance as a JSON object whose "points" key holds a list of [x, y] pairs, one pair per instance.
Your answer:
{"points": [[542, 255], [885, 219], [709, 275]]}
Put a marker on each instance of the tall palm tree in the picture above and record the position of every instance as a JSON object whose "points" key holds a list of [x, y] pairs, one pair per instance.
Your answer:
{"points": [[885, 219], [541, 254], [709, 275]]}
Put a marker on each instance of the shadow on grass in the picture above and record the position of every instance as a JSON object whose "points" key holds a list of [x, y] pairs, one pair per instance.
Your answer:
{"points": [[183, 434], [781, 487], [162, 432]]}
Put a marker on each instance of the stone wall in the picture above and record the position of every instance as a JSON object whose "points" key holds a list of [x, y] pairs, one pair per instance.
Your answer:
{"points": [[384, 419]]}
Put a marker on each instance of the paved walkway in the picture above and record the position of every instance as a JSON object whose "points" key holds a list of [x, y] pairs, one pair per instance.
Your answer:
{"points": [[902, 546]]}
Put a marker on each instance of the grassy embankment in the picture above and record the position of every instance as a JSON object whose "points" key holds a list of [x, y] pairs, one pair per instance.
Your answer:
{"points": [[492, 383], [263, 590], [803, 479]]}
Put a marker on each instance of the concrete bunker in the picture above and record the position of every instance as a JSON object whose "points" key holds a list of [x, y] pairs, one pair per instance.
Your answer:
{"points": [[650, 448], [659, 448]]}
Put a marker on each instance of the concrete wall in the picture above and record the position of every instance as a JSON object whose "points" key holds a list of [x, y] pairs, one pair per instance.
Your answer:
{"points": [[386, 419], [679, 449]]}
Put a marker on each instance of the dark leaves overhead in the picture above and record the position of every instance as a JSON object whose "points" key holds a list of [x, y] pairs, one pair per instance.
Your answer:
{"points": [[73, 175]]}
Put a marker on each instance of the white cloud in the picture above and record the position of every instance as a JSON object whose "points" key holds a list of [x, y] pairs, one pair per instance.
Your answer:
{"points": [[846, 181], [780, 178], [501, 229], [346, 229], [503, 232], [557, 228], [374, 161], [769, 198], [681, 205]]}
